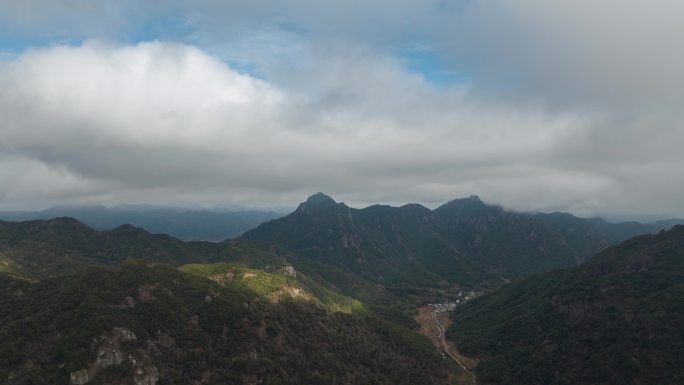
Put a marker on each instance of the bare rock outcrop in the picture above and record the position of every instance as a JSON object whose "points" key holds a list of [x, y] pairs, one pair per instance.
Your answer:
{"points": [[79, 377]]}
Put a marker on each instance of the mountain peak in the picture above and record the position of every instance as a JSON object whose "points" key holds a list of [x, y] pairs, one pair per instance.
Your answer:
{"points": [[471, 202], [319, 203], [320, 199]]}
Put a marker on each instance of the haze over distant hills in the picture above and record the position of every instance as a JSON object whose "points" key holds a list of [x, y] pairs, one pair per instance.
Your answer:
{"points": [[217, 224], [187, 224]]}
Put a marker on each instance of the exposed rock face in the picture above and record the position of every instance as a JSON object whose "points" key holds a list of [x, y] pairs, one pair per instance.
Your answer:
{"points": [[221, 279], [123, 334], [248, 274], [289, 270], [109, 352], [79, 377], [108, 355], [289, 292], [146, 375]]}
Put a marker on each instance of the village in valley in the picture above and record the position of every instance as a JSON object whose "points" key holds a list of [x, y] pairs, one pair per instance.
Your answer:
{"points": [[460, 298]]}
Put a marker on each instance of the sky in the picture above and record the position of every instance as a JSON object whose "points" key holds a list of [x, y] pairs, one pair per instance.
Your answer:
{"points": [[536, 105]]}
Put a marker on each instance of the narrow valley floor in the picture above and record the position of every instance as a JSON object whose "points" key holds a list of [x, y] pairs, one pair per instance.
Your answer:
{"points": [[432, 325]]}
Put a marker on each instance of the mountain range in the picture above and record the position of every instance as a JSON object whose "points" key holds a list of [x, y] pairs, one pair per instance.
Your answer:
{"points": [[464, 241], [379, 254], [328, 294]]}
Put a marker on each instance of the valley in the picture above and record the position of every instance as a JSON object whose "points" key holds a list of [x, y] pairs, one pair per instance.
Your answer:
{"points": [[433, 324]]}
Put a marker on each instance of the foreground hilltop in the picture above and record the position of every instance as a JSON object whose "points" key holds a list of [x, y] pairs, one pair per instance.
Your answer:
{"points": [[144, 323], [615, 320]]}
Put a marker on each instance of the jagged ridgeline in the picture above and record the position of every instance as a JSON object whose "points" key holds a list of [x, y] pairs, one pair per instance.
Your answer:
{"points": [[618, 319], [145, 323], [464, 241]]}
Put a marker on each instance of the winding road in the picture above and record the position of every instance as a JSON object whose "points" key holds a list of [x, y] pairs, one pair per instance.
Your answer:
{"points": [[445, 347]]}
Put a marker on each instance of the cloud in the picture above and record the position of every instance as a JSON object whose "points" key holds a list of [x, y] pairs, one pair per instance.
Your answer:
{"points": [[616, 54], [168, 117], [565, 106]]}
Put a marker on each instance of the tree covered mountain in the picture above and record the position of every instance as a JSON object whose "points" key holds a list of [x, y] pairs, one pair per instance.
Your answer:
{"points": [[381, 255], [617, 319], [386, 245], [36, 250], [80, 305], [464, 241], [144, 323]]}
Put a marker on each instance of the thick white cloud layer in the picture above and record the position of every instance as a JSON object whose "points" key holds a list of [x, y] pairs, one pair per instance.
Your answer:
{"points": [[166, 116], [570, 105]]}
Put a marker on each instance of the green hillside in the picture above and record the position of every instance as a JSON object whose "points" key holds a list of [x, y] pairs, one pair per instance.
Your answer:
{"points": [[140, 322], [618, 319], [37, 250], [283, 284]]}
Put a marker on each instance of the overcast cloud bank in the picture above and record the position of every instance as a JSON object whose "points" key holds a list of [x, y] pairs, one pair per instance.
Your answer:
{"points": [[567, 106]]}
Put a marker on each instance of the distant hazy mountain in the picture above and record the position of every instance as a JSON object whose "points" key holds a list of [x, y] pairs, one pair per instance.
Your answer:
{"points": [[615, 320], [513, 244], [464, 241], [185, 224]]}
